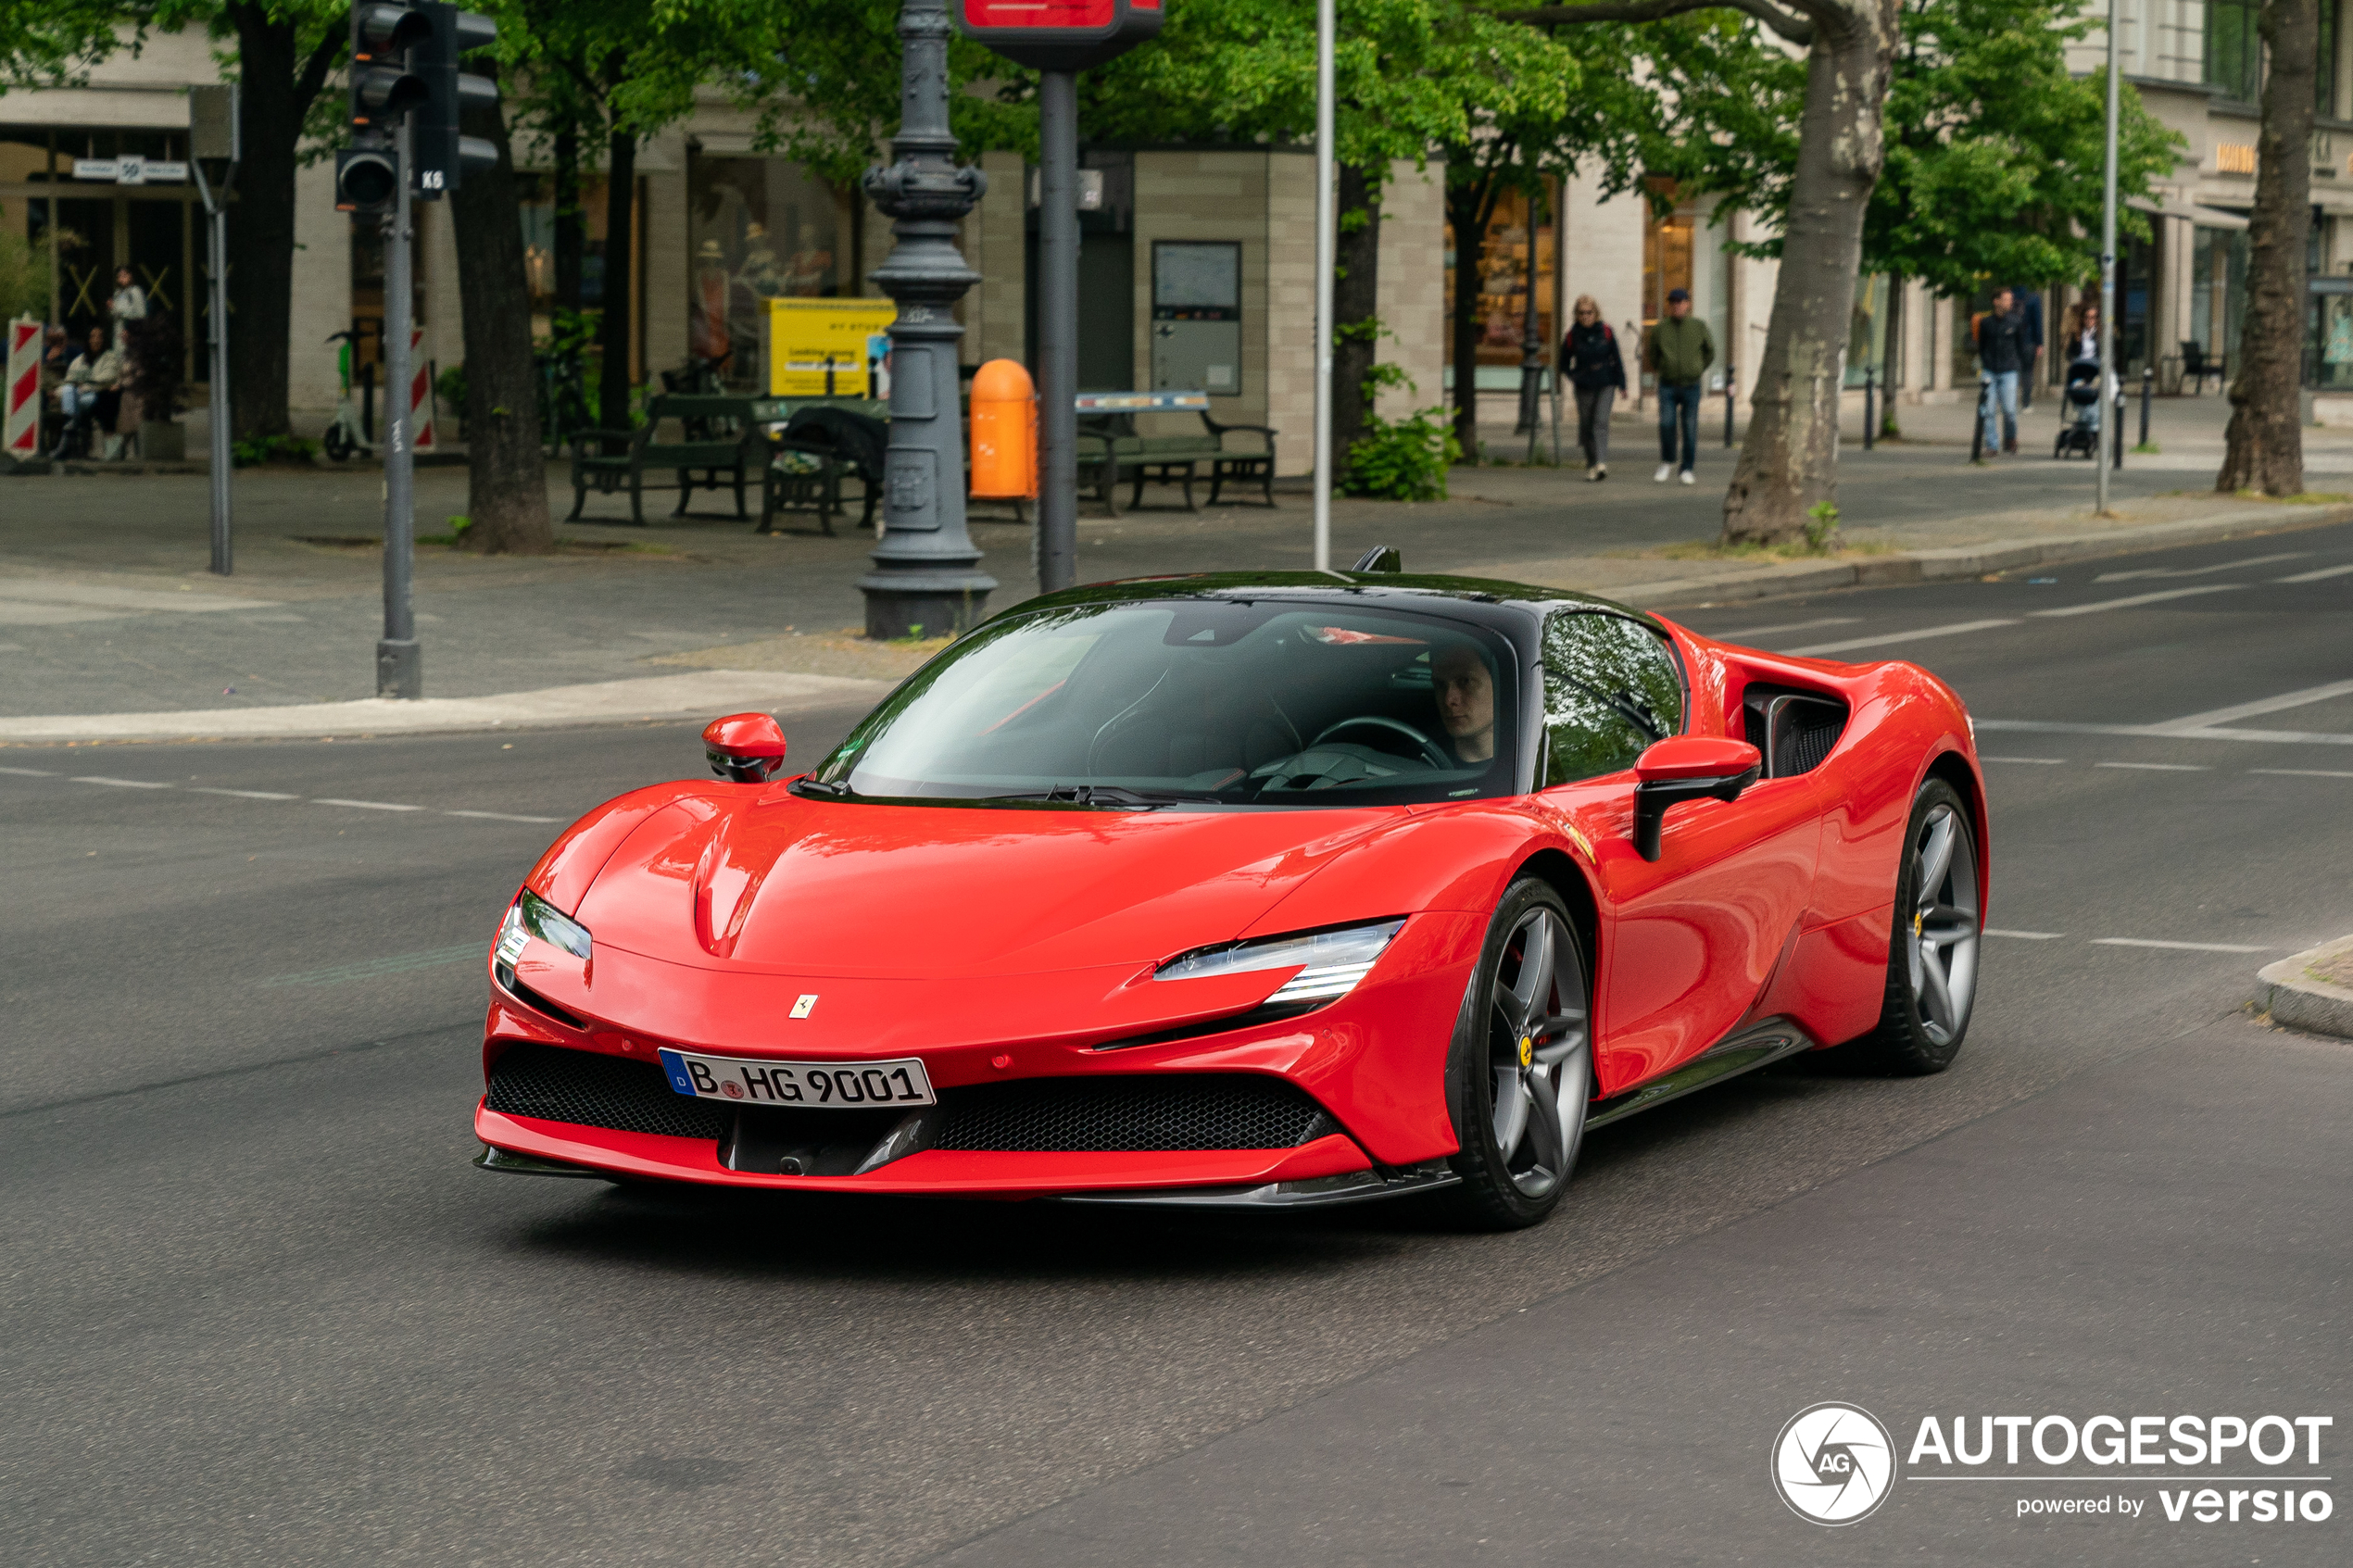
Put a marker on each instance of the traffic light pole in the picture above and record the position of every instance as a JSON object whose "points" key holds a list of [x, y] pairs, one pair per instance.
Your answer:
{"points": [[1057, 330], [400, 666], [217, 324]]}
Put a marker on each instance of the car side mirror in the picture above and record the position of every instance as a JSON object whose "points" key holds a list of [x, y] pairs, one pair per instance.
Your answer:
{"points": [[1687, 768], [744, 748]]}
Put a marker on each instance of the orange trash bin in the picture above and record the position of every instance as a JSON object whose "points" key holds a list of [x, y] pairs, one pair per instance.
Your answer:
{"points": [[1004, 414]]}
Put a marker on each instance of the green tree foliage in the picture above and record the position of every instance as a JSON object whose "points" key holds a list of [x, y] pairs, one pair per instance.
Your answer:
{"points": [[54, 42], [1993, 151]]}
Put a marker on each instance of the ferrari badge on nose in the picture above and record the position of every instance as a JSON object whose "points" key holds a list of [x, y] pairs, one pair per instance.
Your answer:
{"points": [[804, 1006]]}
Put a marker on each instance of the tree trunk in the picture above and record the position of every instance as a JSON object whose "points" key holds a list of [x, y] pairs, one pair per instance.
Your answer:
{"points": [[572, 220], [262, 224], [507, 478], [1789, 463], [617, 330], [1355, 305], [2265, 438], [1467, 211]]}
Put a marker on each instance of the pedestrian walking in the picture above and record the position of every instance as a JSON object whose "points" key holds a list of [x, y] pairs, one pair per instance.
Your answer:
{"points": [[2029, 304], [1678, 352], [2079, 342], [1591, 365], [2002, 356]]}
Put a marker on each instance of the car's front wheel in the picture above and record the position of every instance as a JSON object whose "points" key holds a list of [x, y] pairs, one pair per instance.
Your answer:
{"points": [[1521, 1071]]}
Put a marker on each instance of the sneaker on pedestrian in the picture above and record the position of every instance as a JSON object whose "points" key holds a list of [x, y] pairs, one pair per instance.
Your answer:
{"points": [[1666, 471], [1601, 471], [1688, 479], [1592, 474]]}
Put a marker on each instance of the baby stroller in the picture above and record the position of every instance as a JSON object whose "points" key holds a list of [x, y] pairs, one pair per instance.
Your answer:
{"points": [[2079, 417]]}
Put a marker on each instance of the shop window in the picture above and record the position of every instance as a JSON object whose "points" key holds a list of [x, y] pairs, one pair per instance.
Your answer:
{"points": [[758, 229], [1503, 290], [2218, 289]]}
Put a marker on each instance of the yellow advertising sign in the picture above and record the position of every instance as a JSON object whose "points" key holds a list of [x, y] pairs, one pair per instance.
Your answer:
{"points": [[812, 339]]}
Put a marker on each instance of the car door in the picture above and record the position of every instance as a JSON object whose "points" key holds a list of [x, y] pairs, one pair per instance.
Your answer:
{"points": [[1689, 940]]}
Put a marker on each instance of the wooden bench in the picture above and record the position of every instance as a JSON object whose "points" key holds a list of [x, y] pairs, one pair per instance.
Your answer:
{"points": [[802, 476], [609, 461], [1111, 453]]}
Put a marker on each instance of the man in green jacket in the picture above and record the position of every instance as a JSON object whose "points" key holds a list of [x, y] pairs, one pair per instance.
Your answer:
{"points": [[1678, 353]]}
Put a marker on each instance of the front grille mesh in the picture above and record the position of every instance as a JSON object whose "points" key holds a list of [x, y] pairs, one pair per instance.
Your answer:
{"points": [[1130, 1114], [1123, 1114], [594, 1090]]}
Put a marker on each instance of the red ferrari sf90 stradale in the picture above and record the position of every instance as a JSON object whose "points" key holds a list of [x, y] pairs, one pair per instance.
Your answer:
{"points": [[1276, 889]]}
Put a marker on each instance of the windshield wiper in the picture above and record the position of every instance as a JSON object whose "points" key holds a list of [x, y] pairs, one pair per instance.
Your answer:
{"points": [[1105, 795], [822, 788]]}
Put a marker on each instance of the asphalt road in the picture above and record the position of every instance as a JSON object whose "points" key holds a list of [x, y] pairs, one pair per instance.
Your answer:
{"points": [[260, 1310]]}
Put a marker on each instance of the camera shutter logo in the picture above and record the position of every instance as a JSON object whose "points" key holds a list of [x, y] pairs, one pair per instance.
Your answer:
{"points": [[1834, 1463]]}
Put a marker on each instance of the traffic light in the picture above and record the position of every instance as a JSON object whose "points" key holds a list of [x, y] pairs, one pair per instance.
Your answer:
{"points": [[367, 179], [442, 154], [383, 87]]}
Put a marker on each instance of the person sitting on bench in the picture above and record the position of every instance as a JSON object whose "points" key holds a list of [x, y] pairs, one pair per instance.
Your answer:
{"points": [[92, 391]]}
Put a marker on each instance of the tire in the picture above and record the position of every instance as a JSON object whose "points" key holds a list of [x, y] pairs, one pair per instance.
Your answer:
{"points": [[337, 447], [1932, 948], [1522, 1047]]}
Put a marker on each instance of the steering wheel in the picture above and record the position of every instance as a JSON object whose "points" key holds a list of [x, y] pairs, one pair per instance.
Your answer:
{"points": [[1432, 752]]}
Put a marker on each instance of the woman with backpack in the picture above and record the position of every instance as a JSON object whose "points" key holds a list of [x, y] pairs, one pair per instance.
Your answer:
{"points": [[1591, 365]]}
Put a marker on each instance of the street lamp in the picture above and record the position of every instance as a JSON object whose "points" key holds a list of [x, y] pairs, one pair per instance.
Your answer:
{"points": [[926, 568]]}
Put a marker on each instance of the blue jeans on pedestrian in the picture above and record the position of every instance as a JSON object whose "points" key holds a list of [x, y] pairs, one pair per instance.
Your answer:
{"points": [[1678, 407], [2006, 399]]}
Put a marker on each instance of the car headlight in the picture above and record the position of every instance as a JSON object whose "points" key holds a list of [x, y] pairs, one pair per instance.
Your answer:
{"points": [[1329, 962], [531, 916]]}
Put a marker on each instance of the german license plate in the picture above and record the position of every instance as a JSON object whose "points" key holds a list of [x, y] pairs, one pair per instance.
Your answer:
{"points": [[821, 1085]]}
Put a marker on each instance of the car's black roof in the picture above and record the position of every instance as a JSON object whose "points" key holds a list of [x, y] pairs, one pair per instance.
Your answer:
{"points": [[1503, 605]]}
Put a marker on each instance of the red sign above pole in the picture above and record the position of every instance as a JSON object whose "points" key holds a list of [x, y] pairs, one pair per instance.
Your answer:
{"points": [[1059, 34]]}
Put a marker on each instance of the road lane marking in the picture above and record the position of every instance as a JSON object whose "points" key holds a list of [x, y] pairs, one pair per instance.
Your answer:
{"points": [[2043, 761], [30, 772], [1785, 626], [2302, 772], [2141, 599], [2219, 716], [395, 963], [243, 794], [2315, 576], [2026, 935], [2160, 767], [2176, 946], [120, 784], [366, 805], [2198, 571], [1952, 630], [501, 817], [2162, 731]]}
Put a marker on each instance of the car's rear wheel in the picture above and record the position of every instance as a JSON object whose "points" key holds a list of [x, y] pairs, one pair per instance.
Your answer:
{"points": [[1931, 965], [1521, 1071]]}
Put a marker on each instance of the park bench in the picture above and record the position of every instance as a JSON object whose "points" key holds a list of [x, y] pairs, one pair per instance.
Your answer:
{"points": [[807, 460], [1111, 453], [609, 461]]}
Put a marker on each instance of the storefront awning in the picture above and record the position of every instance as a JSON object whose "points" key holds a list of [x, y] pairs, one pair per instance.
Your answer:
{"points": [[2205, 217]]}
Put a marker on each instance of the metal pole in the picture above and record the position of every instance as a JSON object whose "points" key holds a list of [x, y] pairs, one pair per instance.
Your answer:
{"points": [[2108, 253], [1731, 381], [1058, 329], [2148, 387], [926, 568], [1870, 404], [217, 261], [1327, 259], [1531, 345], [399, 664]]}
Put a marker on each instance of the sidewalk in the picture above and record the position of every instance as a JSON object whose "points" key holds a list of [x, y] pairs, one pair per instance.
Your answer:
{"points": [[105, 607]]}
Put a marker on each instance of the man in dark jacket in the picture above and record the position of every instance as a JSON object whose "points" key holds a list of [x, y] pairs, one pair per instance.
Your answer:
{"points": [[1679, 352], [1593, 368], [2030, 305], [2003, 356]]}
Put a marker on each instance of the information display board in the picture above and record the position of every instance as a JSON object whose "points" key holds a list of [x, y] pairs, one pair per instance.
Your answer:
{"points": [[829, 347]]}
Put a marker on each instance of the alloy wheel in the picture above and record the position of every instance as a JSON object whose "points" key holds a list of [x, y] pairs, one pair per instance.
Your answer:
{"points": [[1540, 1052], [1944, 924]]}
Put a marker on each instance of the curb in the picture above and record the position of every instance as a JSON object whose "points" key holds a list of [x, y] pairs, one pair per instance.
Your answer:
{"points": [[2293, 996], [1972, 560], [711, 693]]}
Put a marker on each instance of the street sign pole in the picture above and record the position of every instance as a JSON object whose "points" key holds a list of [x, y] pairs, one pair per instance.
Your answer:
{"points": [[399, 665], [2108, 264], [214, 132], [1326, 260], [1058, 329]]}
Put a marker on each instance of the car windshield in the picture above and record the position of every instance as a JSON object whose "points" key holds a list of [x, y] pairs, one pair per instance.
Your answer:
{"points": [[1223, 701]]}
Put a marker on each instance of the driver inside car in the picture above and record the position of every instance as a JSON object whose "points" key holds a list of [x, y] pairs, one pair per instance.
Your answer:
{"points": [[1465, 690]]}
